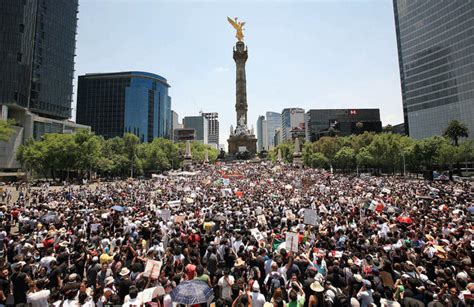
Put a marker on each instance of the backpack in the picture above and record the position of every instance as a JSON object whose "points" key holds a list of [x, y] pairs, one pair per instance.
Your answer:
{"points": [[275, 282], [339, 298]]}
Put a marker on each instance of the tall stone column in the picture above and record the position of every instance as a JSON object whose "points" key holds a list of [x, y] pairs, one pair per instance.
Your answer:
{"points": [[240, 57], [241, 140]]}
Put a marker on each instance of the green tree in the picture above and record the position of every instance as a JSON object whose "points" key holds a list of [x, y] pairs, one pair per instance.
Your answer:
{"points": [[114, 160], [89, 151], [6, 131], [364, 158], [357, 142], [131, 142], [387, 149], [318, 160], [328, 146], [345, 158], [287, 149], [456, 130], [387, 129]]}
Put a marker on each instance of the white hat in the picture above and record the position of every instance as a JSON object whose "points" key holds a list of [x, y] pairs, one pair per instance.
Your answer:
{"points": [[316, 287], [109, 280], [358, 277], [124, 272], [256, 286]]}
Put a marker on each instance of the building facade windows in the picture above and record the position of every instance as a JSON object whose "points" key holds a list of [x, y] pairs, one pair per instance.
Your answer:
{"points": [[435, 45], [117, 103]]}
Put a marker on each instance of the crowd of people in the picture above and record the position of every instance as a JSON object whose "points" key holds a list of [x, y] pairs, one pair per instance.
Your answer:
{"points": [[252, 234]]}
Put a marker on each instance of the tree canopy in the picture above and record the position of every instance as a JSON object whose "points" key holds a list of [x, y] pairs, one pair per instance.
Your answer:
{"points": [[60, 155], [456, 130]]}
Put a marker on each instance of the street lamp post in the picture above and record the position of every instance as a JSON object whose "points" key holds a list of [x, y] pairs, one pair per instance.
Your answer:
{"points": [[404, 165]]}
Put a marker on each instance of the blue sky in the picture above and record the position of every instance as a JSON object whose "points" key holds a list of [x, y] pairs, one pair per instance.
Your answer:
{"points": [[309, 54]]}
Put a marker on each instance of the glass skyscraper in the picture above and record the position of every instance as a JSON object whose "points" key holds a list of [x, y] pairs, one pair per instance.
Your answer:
{"points": [[116, 103], [260, 123], [37, 50], [291, 118], [436, 57], [273, 123]]}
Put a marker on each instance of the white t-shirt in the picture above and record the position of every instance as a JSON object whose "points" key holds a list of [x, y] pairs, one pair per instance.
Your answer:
{"points": [[132, 302], [258, 300], [226, 286], [46, 261], [167, 302], [38, 299]]}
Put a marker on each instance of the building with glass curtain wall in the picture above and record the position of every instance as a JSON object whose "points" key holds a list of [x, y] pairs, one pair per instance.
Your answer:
{"points": [[200, 124], [116, 103], [436, 58], [344, 122], [260, 123], [37, 50], [291, 118], [273, 122]]}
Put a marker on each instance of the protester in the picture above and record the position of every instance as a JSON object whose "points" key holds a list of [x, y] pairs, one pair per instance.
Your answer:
{"points": [[257, 234]]}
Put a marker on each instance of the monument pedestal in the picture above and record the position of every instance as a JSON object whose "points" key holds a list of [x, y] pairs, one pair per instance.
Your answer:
{"points": [[298, 161], [241, 143]]}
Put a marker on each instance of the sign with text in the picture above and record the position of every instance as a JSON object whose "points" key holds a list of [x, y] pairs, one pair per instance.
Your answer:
{"points": [[292, 241], [257, 234], [165, 214], [311, 217], [152, 269]]}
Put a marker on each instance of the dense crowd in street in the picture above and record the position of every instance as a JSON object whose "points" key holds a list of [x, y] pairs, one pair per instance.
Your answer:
{"points": [[245, 234]]}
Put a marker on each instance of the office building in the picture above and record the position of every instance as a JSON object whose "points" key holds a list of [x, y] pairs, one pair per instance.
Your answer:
{"points": [[116, 103], [399, 129], [37, 50], [260, 121], [200, 124], [291, 118], [435, 51], [174, 123], [273, 122], [213, 128], [184, 134], [37, 55], [343, 122], [278, 139]]}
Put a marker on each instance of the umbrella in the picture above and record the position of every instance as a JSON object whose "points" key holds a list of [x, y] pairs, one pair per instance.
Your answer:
{"points": [[48, 218], [118, 208], [192, 292], [405, 219], [220, 218]]}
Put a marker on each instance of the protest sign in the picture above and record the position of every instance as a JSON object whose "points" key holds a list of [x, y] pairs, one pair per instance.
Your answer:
{"points": [[257, 234], [149, 294], [292, 241], [174, 203], [311, 217], [165, 214], [95, 227], [387, 279], [262, 220], [152, 269]]}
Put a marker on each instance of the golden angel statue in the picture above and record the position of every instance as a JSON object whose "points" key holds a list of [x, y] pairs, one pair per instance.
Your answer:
{"points": [[239, 27]]}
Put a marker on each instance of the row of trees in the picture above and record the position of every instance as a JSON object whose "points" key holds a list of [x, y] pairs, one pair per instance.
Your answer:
{"points": [[61, 155], [385, 152]]}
